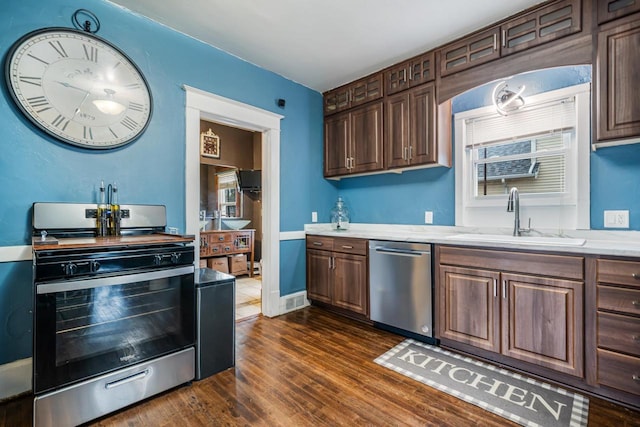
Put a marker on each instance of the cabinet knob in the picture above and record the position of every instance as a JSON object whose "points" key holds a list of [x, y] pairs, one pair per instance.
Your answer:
{"points": [[347, 247], [636, 337], [635, 303], [635, 276], [635, 377], [317, 243]]}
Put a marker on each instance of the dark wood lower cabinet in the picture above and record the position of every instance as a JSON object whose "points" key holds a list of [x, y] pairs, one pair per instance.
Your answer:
{"points": [[534, 319], [337, 273]]}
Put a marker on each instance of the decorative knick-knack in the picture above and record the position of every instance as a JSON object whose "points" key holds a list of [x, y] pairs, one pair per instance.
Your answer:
{"points": [[339, 216]]}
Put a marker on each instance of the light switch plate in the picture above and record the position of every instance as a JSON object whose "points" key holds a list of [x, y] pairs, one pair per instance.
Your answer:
{"points": [[428, 217], [616, 219], [314, 216]]}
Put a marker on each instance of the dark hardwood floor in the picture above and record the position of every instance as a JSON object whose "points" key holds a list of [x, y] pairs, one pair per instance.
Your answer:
{"points": [[309, 368]]}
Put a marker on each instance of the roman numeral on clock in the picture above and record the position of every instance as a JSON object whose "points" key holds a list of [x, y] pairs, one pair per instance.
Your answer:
{"points": [[88, 133], [36, 81], [134, 106], [61, 122], [39, 101], [90, 53], [129, 123], [57, 46]]}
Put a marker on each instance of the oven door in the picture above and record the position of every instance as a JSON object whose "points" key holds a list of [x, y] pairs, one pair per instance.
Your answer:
{"points": [[84, 328]]}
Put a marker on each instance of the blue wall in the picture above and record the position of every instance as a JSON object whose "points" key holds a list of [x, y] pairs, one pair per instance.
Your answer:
{"points": [[35, 167], [402, 199]]}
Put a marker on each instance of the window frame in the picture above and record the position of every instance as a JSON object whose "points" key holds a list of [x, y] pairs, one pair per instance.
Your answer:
{"points": [[571, 208]]}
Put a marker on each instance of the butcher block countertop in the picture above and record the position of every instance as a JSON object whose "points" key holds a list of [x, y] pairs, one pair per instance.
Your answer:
{"points": [[82, 242]]}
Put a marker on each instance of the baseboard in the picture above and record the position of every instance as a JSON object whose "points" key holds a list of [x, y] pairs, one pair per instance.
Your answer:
{"points": [[15, 378], [293, 302]]}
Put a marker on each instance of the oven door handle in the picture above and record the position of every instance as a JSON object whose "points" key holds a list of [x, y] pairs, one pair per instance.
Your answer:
{"points": [[134, 377], [124, 279]]}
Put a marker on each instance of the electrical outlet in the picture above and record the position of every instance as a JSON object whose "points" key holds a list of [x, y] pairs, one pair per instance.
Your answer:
{"points": [[314, 216], [428, 217], [616, 219]]}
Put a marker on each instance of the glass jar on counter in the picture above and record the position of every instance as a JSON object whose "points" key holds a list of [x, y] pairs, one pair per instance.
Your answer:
{"points": [[339, 216]]}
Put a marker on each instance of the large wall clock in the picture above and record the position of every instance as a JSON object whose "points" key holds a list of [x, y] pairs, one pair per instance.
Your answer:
{"points": [[78, 88]]}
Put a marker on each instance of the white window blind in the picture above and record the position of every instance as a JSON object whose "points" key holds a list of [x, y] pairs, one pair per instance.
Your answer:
{"points": [[528, 121], [227, 180]]}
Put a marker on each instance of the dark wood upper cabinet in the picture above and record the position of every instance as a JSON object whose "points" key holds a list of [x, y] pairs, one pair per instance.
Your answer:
{"points": [[353, 141], [614, 9], [618, 93], [541, 26], [353, 94], [470, 51], [411, 131], [414, 72]]}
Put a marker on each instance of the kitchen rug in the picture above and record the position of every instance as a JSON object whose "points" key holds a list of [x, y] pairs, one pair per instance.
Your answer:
{"points": [[522, 400]]}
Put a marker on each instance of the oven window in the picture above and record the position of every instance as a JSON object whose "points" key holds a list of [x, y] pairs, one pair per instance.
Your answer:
{"points": [[105, 328]]}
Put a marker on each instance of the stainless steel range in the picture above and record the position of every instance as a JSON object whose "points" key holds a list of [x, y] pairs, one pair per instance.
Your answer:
{"points": [[114, 318]]}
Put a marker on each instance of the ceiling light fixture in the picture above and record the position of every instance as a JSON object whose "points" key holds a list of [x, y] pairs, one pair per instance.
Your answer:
{"points": [[506, 100]]}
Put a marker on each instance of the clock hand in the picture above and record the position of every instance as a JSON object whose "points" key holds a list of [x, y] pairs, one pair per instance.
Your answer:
{"points": [[65, 84]]}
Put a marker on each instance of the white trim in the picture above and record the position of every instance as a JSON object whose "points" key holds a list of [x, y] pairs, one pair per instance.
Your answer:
{"points": [[15, 378], [292, 235], [15, 253], [204, 105]]}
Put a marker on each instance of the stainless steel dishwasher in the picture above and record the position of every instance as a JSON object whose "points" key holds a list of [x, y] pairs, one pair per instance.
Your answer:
{"points": [[401, 287]]}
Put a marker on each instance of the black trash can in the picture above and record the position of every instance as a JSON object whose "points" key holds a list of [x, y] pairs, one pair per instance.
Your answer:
{"points": [[215, 322]]}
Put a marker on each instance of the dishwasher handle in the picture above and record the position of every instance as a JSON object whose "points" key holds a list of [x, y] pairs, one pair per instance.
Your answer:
{"points": [[401, 252]]}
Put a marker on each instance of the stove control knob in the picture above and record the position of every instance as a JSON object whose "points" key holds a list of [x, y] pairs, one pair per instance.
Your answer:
{"points": [[70, 269], [94, 266], [157, 260], [175, 257]]}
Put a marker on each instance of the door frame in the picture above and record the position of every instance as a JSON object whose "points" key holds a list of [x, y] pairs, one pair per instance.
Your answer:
{"points": [[202, 105]]}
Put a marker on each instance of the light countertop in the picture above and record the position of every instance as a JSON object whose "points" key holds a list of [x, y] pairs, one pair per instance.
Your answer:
{"points": [[594, 242]]}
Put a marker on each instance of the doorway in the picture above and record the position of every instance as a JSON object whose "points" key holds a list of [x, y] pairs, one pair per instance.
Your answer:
{"points": [[201, 105], [231, 210]]}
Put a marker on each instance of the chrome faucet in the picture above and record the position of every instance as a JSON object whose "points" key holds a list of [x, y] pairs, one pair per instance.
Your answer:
{"points": [[513, 205]]}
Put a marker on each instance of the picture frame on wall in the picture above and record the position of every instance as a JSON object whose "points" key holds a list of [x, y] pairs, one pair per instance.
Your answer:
{"points": [[210, 144]]}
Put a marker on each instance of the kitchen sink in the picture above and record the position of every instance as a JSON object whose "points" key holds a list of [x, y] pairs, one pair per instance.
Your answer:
{"points": [[520, 240]]}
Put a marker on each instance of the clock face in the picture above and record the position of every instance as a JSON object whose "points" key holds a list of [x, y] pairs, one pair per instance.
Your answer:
{"points": [[78, 88]]}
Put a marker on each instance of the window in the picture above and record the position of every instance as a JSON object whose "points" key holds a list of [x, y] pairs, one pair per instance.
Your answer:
{"points": [[228, 199], [542, 149]]}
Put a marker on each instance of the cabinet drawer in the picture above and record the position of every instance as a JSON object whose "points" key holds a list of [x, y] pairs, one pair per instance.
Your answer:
{"points": [[619, 272], [350, 246], [621, 333], [613, 9], [619, 299], [619, 371], [219, 263], [320, 242], [568, 267]]}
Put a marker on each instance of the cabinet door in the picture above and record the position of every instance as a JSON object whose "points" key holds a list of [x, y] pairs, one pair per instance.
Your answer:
{"points": [[618, 91], [366, 89], [336, 141], [336, 100], [350, 283], [471, 51], [396, 127], [613, 9], [397, 78], [319, 275], [421, 69], [542, 322], [540, 26], [422, 125], [469, 307], [366, 138]]}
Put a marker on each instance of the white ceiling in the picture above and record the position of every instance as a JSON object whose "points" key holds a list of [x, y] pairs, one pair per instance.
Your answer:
{"points": [[322, 44]]}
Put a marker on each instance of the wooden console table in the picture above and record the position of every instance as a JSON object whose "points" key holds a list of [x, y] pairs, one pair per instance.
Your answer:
{"points": [[220, 243]]}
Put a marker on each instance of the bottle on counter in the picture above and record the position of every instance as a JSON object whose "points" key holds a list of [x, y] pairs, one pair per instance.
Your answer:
{"points": [[102, 214], [114, 218], [339, 216]]}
